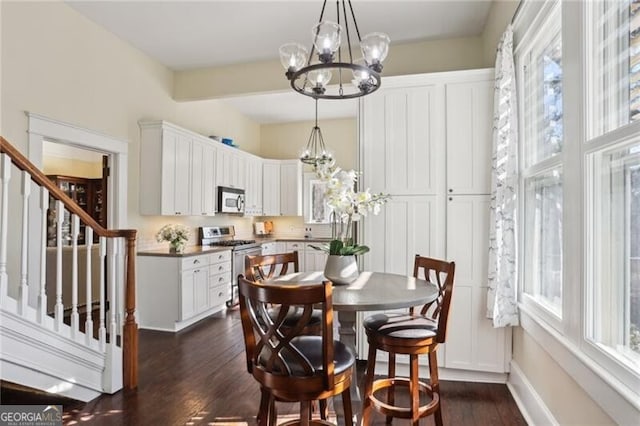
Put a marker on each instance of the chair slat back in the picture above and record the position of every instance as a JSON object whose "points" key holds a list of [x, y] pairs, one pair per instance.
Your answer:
{"points": [[260, 268], [441, 273], [273, 356]]}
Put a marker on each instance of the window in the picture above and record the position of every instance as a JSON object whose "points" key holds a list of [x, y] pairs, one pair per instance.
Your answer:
{"points": [[541, 72], [612, 315], [614, 68]]}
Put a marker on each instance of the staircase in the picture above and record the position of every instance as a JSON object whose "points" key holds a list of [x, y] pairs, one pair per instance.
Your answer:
{"points": [[46, 291]]}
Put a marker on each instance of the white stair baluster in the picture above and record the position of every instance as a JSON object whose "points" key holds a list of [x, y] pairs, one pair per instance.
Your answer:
{"points": [[112, 291], [23, 293], [4, 216], [102, 330], [88, 327], [75, 319], [42, 295], [59, 309]]}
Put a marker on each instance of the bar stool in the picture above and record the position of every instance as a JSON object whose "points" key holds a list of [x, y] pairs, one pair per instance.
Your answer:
{"points": [[411, 334]]}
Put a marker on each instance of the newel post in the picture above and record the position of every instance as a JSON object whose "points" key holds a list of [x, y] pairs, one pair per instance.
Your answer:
{"points": [[130, 342]]}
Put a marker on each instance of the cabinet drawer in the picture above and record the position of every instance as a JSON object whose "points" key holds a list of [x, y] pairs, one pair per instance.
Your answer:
{"points": [[222, 256], [219, 279], [194, 262], [294, 246], [218, 295]]}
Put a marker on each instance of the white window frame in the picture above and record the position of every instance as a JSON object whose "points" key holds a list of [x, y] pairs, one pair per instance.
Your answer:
{"points": [[617, 370], [542, 31], [608, 383]]}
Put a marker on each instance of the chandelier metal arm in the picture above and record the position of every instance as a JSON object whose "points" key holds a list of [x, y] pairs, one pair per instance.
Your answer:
{"points": [[355, 23]]}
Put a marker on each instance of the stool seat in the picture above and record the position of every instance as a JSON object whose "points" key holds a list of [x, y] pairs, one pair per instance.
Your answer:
{"points": [[412, 334], [402, 326]]}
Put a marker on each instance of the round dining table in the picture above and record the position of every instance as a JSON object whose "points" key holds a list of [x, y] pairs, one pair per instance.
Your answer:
{"points": [[371, 291]]}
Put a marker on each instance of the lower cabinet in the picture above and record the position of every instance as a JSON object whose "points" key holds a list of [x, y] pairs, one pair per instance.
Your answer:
{"points": [[309, 258], [175, 292]]}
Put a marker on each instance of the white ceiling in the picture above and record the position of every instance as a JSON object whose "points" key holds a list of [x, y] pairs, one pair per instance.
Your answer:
{"points": [[185, 34]]}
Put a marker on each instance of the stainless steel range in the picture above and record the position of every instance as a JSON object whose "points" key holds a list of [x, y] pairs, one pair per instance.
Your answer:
{"points": [[225, 236]]}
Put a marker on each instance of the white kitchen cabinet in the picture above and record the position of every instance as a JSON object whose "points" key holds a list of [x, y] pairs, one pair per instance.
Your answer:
{"points": [[269, 248], [314, 260], [271, 188], [300, 247], [475, 345], [407, 225], [282, 188], [177, 291], [469, 132], [403, 129], [440, 198], [203, 195], [291, 188], [253, 190], [231, 167], [176, 171]]}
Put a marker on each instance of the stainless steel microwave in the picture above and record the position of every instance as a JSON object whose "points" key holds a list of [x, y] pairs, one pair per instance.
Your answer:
{"points": [[230, 200]]}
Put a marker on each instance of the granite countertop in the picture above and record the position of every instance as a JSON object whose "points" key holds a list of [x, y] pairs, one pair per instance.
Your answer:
{"points": [[188, 251]]}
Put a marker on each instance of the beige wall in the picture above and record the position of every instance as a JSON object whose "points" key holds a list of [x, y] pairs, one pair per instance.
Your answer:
{"points": [[407, 58], [499, 17], [566, 400], [57, 63], [282, 141], [71, 167]]}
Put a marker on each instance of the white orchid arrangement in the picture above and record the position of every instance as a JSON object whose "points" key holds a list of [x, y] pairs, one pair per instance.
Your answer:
{"points": [[347, 206], [175, 234]]}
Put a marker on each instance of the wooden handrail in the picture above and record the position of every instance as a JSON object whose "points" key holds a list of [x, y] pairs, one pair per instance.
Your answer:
{"points": [[130, 329], [41, 179]]}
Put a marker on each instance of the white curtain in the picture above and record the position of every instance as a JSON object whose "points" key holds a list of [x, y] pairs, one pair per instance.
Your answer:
{"points": [[502, 295]]}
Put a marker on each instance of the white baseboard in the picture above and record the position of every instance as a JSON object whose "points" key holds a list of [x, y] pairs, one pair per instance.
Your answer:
{"points": [[532, 407]]}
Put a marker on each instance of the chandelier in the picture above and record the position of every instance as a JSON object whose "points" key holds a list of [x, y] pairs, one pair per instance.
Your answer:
{"points": [[315, 153], [354, 77]]}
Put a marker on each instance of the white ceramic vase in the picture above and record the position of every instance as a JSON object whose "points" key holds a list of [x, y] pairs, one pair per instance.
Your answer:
{"points": [[341, 269]]}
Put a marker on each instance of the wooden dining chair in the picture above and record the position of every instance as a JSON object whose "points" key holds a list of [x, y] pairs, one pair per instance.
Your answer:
{"points": [[261, 268], [288, 365], [412, 334]]}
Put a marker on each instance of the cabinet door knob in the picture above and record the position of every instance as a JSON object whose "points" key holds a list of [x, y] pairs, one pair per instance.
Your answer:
{"points": [[196, 271], [450, 198], [196, 261], [220, 268], [450, 190]]}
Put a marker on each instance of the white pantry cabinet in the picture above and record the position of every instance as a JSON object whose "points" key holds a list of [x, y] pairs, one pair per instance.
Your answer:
{"points": [[426, 140], [177, 291], [469, 144], [176, 171]]}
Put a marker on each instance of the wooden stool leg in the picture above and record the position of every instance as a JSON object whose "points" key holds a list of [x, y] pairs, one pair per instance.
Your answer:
{"points": [[391, 391], [323, 409], [435, 385], [414, 389], [263, 411], [346, 405], [368, 385], [273, 412], [305, 412]]}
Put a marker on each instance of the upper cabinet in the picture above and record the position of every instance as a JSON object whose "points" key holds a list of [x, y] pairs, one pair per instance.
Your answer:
{"points": [[282, 188], [253, 189], [165, 169], [469, 126], [402, 129], [291, 188], [231, 167]]}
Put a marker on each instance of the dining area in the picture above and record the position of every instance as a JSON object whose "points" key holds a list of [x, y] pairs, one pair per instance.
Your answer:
{"points": [[288, 325]]}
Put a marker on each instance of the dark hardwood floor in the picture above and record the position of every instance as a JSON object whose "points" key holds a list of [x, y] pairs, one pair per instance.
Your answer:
{"points": [[199, 377]]}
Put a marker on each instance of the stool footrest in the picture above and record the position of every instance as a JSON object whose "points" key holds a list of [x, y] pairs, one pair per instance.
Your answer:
{"points": [[402, 412]]}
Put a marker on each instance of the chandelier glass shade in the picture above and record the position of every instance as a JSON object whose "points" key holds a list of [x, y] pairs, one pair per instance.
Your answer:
{"points": [[316, 153], [335, 74]]}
